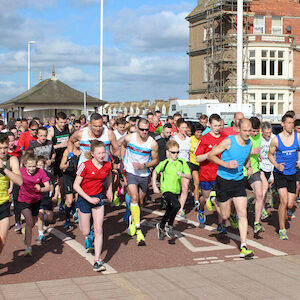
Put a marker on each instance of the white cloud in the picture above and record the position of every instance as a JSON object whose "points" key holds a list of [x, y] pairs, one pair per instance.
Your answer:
{"points": [[10, 89], [160, 31], [70, 75]]}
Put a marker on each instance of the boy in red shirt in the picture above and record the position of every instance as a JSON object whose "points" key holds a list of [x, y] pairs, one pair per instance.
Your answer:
{"points": [[208, 170], [28, 136]]}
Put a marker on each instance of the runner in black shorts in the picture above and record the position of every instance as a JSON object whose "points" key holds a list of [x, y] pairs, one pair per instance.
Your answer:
{"points": [[285, 160], [235, 154], [68, 165]]}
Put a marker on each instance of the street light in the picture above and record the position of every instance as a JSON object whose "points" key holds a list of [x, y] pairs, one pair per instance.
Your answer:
{"points": [[28, 65], [101, 48]]}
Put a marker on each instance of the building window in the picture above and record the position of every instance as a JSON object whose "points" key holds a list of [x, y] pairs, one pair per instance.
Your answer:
{"points": [[276, 25], [252, 67], [173, 107], [272, 105], [280, 108], [263, 96], [263, 67], [280, 67], [252, 97], [259, 25], [205, 70], [272, 67], [264, 108], [272, 96]]}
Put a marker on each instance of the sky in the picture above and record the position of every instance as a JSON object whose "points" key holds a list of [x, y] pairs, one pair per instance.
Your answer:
{"points": [[144, 53]]}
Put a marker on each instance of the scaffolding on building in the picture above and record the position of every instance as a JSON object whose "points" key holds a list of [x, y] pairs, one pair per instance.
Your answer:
{"points": [[220, 45]]}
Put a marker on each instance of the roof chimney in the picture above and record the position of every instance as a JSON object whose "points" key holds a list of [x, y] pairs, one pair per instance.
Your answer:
{"points": [[53, 73]]}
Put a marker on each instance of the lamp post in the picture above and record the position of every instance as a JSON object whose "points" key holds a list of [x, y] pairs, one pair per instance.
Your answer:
{"points": [[239, 77], [101, 49], [28, 64]]}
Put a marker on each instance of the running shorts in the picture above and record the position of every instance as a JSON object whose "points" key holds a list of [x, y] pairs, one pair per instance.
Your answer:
{"points": [[68, 184], [194, 167], [285, 181], [141, 182], [85, 206], [5, 210], [34, 207], [227, 189], [254, 177]]}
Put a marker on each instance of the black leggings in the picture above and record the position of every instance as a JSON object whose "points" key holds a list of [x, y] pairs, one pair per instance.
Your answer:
{"points": [[173, 207], [15, 196]]}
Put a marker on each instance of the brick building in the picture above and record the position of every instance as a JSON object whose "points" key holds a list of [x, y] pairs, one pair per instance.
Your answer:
{"points": [[271, 61]]}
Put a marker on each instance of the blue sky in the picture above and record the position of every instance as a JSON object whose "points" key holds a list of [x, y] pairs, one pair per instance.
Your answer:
{"points": [[145, 44]]}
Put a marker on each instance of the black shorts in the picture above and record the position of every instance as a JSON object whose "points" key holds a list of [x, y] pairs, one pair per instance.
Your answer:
{"points": [[194, 167], [285, 181], [5, 210], [48, 207], [57, 171], [267, 174], [227, 189], [298, 175], [34, 207], [68, 184]]}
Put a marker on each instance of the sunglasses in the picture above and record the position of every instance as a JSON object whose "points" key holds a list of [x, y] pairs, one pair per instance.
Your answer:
{"points": [[34, 129], [174, 152], [144, 129]]}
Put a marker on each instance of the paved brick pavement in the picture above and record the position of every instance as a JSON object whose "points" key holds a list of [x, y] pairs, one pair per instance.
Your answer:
{"points": [[266, 278]]}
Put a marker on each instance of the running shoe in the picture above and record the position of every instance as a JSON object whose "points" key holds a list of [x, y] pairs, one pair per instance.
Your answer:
{"points": [[75, 216], [131, 227], [221, 229], [28, 252], [264, 214], [99, 266], [169, 231], [140, 237], [290, 214], [298, 200], [116, 200], [67, 224], [234, 221], [18, 228], [210, 201], [197, 203], [89, 245], [283, 235], [160, 232], [41, 239], [62, 206], [201, 218], [181, 214], [258, 228], [246, 253]]}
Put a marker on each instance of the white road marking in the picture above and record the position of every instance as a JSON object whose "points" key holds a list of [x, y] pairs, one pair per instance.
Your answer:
{"points": [[202, 262], [187, 243], [251, 243], [79, 249], [217, 261]]}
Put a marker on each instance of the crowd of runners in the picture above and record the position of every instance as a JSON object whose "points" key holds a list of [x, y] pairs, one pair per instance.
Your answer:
{"points": [[78, 164]]}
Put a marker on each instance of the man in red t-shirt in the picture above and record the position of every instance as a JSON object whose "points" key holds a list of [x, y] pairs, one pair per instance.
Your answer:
{"points": [[28, 136], [234, 130], [208, 170]]}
